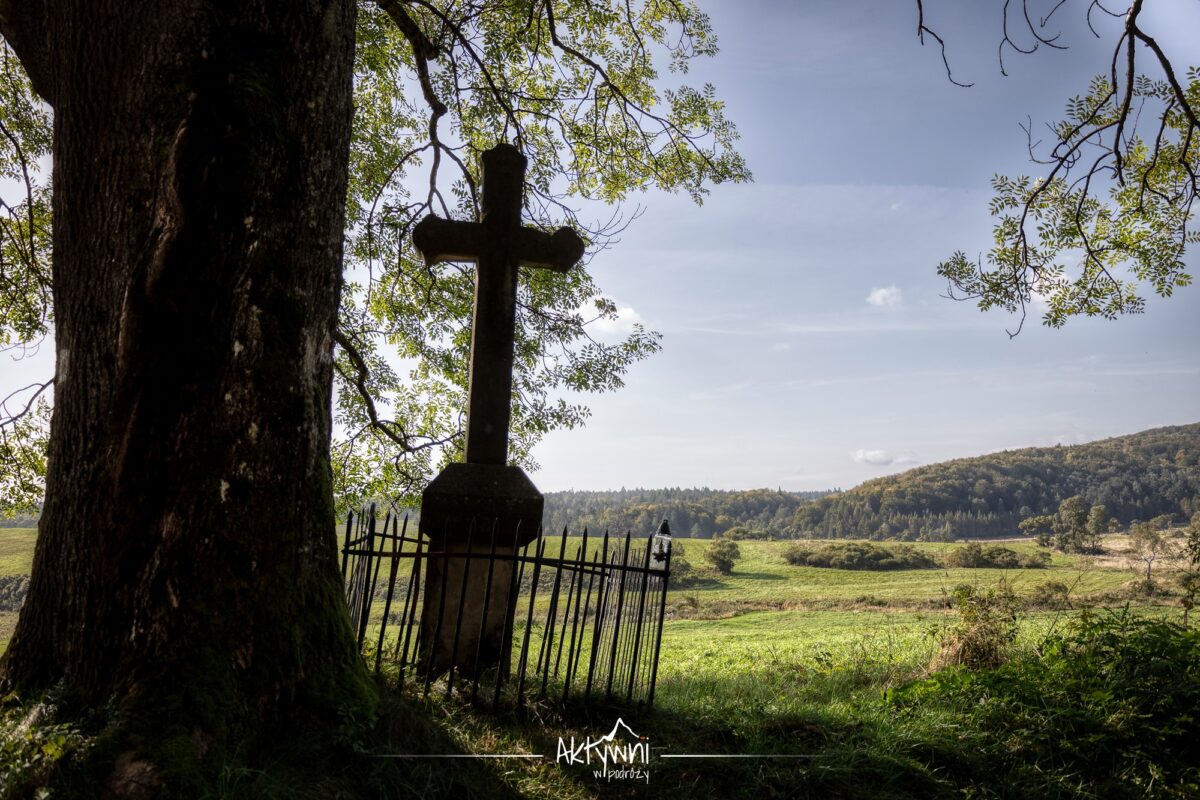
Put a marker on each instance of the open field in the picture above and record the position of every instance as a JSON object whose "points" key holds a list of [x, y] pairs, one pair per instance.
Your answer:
{"points": [[763, 581], [16, 550], [793, 664], [16, 558], [762, 575]]}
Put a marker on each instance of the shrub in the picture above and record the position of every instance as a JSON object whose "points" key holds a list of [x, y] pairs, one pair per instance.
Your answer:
{"points": [[681, 568], [983, 634], [1051, 594], [740, 533], [1189, 583], [859, 555], [1104, 709], [1039, 559], [721, 554], [973, 554]]}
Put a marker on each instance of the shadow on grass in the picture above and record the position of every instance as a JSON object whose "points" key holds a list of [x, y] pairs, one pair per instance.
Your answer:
{"points": [[791, 756]]}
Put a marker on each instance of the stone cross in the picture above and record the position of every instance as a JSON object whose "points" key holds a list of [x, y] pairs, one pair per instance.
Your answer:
{"points": [[483, 506], [498, 244]]}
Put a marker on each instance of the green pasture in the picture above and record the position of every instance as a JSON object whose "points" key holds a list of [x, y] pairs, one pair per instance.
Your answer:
{"points": [[794, 663], [16, 550], [16, 558], [762, 580], [762, 575]]}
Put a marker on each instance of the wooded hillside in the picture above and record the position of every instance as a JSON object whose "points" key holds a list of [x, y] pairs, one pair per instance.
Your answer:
{"points": [[1135, 477], [698, 513]]}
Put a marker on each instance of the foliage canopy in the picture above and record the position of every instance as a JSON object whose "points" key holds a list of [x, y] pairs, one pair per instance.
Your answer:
{"points": [[582, 88]]}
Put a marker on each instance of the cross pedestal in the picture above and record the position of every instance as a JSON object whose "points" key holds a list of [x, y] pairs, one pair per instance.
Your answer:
{"points": [[484, 505]]}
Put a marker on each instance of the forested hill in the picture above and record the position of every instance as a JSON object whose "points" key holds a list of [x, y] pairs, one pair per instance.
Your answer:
{"points": [[692, 512], [1135, 477]]}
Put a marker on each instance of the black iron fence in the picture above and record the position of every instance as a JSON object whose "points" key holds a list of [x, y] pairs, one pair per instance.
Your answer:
{"points": [[583, 618]]}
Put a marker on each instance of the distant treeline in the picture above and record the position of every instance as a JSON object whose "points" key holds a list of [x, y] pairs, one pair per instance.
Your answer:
{"points": [[698, 513], [1135, 477]]}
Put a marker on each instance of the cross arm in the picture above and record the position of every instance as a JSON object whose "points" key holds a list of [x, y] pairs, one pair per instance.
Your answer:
{"points": [[558, 251], [440, 239]]}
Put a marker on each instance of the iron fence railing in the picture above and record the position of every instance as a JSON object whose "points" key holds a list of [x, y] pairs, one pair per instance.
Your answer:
{"points": [[584, 613]]}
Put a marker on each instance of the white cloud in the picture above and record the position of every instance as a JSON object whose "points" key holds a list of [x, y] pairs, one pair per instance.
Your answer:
{"points": [[882, 458], [780, 347], [627, 317], [885, 297]]}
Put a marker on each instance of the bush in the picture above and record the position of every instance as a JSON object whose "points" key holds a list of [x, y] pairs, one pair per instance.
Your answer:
{"points": [[740, 533], [1036, 560], [721, 554], [859, 555], [983, 634], [681, 570], [1104, 709], [974, 554], [1051, 594]]}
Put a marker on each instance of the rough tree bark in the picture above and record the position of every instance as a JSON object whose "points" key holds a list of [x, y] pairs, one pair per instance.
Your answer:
{"points": [[185, 564]]}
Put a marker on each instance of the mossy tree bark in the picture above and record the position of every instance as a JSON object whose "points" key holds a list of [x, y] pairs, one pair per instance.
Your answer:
{"points": [[185, 564]]}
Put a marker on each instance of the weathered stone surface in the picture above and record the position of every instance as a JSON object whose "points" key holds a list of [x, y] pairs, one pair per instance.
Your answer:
{"points": [[484, 503], [483, 495], [468, 597], [499, 245]]}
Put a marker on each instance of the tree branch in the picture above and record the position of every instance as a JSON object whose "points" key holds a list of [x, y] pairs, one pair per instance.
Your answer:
{"points": [[922, 29], [388, 428], [10, 418]]}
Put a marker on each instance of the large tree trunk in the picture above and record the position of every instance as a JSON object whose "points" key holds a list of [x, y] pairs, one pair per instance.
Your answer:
{"points": [[186, 565]]}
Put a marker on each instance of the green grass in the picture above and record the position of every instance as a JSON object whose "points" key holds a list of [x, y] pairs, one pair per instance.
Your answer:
{"points": [[763, 577], [16, 558], [772, 660], [16, 550]]}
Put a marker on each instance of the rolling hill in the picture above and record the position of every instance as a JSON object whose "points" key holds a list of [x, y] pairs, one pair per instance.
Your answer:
{"points": [[1137, 476]]}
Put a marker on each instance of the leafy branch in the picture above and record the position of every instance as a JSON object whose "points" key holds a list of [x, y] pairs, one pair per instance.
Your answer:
{"points": [[1111, 216]]}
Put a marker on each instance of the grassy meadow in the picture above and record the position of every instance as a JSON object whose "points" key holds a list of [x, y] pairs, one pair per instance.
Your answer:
{"points": [[763, 577], [785, 679], [16, 558]]}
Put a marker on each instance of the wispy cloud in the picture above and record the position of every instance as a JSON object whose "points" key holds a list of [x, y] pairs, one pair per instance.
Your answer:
{"points": [[1151, 371], [883, 458], [718, 392], [867, 327], [886, 297]]}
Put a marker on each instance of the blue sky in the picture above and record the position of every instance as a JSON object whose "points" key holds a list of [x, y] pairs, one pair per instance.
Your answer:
{"points": [[806, 342]]}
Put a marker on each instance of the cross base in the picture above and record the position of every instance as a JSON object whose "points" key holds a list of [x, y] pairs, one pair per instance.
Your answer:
{"points": [[459, 637], [482, 496], [460, 510]]}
